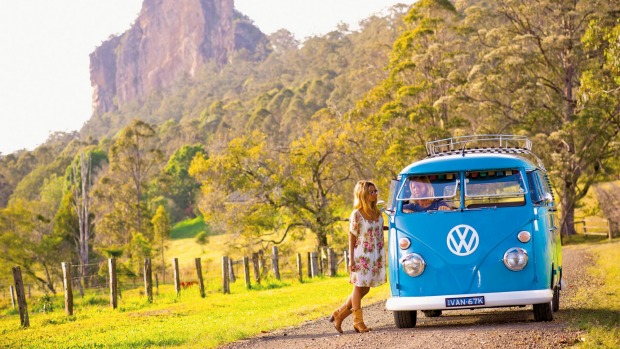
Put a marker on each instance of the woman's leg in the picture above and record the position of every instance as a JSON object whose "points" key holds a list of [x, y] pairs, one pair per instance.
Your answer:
{"points": [[356, 301], [357, 295]]}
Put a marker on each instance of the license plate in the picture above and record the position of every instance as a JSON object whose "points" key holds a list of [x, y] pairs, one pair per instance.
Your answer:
{"points": [[464, 301]]}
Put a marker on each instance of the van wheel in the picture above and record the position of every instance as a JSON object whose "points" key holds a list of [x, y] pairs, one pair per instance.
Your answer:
{"points": [[556, 298], [432, 313], [405, 319], [542, 312]]}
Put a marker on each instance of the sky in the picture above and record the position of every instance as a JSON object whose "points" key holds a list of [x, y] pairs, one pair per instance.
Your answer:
{"points": [[45, 44]]}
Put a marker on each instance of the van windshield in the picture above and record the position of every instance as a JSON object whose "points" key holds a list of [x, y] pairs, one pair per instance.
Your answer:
{"points": [[441, 187], [498, 188]]}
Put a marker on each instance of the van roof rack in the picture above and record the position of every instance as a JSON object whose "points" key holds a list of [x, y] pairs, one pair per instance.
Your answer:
{"points": [[486, 143]]}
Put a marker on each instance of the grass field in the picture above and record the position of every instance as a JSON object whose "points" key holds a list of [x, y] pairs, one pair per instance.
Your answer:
{"points": [[599, 314], [186, 321], [189, 321]]}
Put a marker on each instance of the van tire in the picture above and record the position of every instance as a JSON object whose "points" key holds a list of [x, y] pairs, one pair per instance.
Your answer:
{"points": [[556, 298], [432, 313], [543, 312], [405, 319]]}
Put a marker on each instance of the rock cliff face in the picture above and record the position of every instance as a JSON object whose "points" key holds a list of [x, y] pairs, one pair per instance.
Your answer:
{"points": [[170, 38]]}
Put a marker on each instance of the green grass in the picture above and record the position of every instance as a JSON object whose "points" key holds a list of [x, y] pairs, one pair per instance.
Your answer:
{"points": [[582, 239], [187, 321], [599, 314], [188, 228]]}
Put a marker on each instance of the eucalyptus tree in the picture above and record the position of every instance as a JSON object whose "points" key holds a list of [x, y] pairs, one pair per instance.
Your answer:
{"points": [[75, 217], [263, 195], [161, 232], [541, 74], [27, 237], [413, 103], [240, 191], [120, 193], [177, 185], [318, 173]]}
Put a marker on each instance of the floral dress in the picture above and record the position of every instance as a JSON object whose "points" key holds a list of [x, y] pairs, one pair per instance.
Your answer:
{"points": [[368, 252]]}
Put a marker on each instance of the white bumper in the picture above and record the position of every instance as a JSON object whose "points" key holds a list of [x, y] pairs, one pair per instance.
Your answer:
{"points": [[498, 299]]}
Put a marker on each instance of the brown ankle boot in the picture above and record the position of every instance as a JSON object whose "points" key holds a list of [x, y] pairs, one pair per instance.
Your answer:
{"points": [[358, 321], [336, 312], [338, 316]]}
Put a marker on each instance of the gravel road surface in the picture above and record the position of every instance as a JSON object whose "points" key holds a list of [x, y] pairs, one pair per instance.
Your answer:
{"points": [[484, 328]]}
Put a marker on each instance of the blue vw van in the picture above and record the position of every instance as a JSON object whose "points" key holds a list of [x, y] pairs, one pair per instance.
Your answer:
{"points": [[473, 226]]}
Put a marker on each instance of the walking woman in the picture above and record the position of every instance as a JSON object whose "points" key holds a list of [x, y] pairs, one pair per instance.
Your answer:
{"points": [[366, 254]]}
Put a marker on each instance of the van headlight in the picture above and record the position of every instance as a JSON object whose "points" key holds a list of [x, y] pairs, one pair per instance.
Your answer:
{"points": [[413, 264], [515, 259]]}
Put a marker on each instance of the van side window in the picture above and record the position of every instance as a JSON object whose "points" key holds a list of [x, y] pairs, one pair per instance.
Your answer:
{"points": [[536, 187], [540, 188], [496, 188]]}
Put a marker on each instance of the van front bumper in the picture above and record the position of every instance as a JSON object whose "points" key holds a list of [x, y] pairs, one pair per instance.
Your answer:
{"points": [[496, 299]]}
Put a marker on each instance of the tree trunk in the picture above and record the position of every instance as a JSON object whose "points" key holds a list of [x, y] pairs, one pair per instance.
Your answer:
{"points": [[568, 214]]}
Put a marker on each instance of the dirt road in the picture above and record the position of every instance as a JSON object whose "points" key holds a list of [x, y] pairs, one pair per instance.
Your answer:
{"points": [[488, 328]]}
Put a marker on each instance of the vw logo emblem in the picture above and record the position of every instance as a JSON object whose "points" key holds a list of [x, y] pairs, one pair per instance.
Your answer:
{"points": [[463, 240]]}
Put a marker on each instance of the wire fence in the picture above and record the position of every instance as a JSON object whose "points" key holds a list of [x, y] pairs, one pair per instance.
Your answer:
{"points": [[99, 284]]}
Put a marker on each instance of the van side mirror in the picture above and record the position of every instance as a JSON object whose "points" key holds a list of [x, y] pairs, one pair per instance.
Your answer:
{"points": [[548, 198], [382, 205]]}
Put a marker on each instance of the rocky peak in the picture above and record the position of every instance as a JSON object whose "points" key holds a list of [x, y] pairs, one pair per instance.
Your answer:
{"points": [[169, 39]]}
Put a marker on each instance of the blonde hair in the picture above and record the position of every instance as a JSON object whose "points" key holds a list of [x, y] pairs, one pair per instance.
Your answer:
{"points": [[427, 184], [361, 197], [430, 191]]}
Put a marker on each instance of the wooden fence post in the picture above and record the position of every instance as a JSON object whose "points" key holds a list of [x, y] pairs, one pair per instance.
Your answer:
{"points": [[255, 264], [177, 281], [299, 271], [148, 280], [246, 272], [231, 270], [156, 284], [309, 264], [319, 265], [346, 261], [315, 264], [68, 286], [262, 265], [12, 292], [331, 261], [225, 280], [21, 297], [274, 262], [113, 283], [201, 282]]}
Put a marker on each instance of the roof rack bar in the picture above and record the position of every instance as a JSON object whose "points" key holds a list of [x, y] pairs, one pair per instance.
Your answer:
{"points": [[478, 141], [485, 143]]}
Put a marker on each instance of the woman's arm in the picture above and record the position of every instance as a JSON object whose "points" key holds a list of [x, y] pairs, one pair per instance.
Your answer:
{"points": [[352, 241]]}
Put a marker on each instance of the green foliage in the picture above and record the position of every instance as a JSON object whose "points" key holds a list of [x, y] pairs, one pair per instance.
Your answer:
{"points": [[176, 183], [112, 252], [44, 304], [188, 228], [202, 239], [121, 193]]}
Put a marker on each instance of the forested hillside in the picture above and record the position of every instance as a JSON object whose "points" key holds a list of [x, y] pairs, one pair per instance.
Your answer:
{"points": [[269, 150]]}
